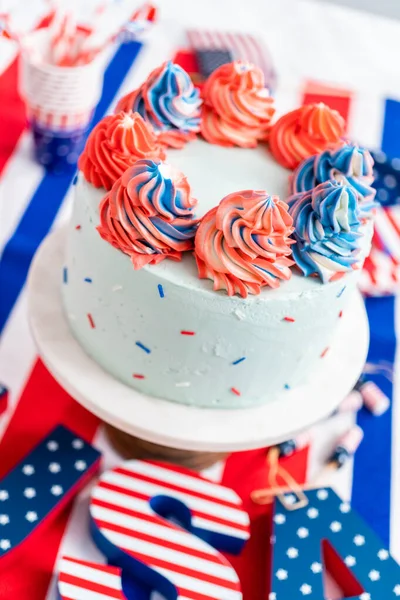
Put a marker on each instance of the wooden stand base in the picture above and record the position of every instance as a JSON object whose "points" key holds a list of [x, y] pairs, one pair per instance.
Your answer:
{"points": [[132, 447]]}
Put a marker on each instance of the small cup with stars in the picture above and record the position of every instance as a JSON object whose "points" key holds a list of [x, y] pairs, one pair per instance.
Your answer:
{"points": [[60, 102]]}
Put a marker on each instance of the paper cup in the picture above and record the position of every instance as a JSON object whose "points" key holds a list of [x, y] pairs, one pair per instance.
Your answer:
{"points": [[60, 102]]}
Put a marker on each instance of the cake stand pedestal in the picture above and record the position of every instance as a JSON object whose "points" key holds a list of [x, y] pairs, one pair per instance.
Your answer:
{"points": [[144, 426]]}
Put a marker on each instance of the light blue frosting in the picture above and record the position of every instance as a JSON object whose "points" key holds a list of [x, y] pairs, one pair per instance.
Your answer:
{"points": [[327, 221], [171, 101], [349, 164]]}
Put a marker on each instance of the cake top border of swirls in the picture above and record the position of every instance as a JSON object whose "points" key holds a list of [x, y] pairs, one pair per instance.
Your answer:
{"points": [[304, 134]]}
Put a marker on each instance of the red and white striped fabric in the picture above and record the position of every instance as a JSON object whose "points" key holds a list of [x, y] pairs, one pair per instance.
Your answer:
{"points": [[381, 274], [121, 510], [82, 580]]}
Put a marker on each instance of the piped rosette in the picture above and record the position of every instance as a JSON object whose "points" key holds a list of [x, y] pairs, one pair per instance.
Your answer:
{"points": [[303, 132], [237, 108], [148, 214], [244, 243], [168, 101], [115, 144], [327, 222], [348, 164]]}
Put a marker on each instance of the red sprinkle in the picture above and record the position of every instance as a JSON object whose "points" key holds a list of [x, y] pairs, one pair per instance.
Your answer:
{"points": [[235, 391], [78, 227], [138, 376], [324, 352], [183, 332], [92, 324], [289, 319], [340, 314]]}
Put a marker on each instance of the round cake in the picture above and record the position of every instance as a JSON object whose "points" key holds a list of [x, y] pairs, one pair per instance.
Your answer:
{"points": [[213, 247]]}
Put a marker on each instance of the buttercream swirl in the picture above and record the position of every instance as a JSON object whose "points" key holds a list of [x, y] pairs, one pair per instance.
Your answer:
{"points": [[348, 164], [169, 102], [244, 243], [115, 144], [303, 132], [327, 223], [148, 214], [237, 106]]}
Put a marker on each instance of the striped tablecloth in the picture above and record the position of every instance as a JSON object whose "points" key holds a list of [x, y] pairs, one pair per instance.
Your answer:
{"points": [[309, 42]]}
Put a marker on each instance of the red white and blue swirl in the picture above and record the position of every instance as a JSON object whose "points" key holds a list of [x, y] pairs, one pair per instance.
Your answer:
{"points": [[169, 101], [148, 214], [348, 164], [327, 222], [244, 243]]}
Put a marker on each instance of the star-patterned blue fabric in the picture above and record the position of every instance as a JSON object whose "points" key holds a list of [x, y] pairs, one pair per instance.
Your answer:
{"points": [[41, 482], [297, 562], [387, 178]]}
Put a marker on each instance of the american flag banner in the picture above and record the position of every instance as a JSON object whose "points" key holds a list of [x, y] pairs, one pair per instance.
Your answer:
{"points": [[309, 42], [231, 46]]}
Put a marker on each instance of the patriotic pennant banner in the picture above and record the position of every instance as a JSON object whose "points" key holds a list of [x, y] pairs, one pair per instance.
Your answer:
{"points": [[128, 509], [40, 485], [327, 534]]}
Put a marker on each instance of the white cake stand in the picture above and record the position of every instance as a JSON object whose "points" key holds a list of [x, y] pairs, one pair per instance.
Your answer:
{"points": [[175, 425]]}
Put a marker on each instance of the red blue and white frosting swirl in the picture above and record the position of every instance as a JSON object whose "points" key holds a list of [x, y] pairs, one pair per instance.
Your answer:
{"points": [[237, 108], [327, 222], [115, 144], [348, 164], [169, 101], [304, 132], [244, 243], [148, 214]]}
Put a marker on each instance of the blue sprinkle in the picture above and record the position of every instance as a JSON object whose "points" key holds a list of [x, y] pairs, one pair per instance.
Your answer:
{"points": [[88, 280], [75, 180], [239, 360], [341, 292], [143, 347], [65, 275], [161, 290], [286, 386]]}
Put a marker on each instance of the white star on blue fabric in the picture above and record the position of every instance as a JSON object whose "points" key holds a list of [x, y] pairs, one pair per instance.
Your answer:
{"points": [[3, 495], [77, 444], [28, 470], [322, 494], [365, 596], [374, 575], [272, 596], [345, 507], [302, 532], [396, 590], [350, 561], [290, 499], [292, 553], [54, 467], [359, 540], [316, 567], [312, 513], [281, 574], [52, 445], [279, 519], [5, 544], [56, 490], [335, 526], [306, 589], [383, 554], [80, 465], [31, 516], [4, 519], [29, 492]]}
